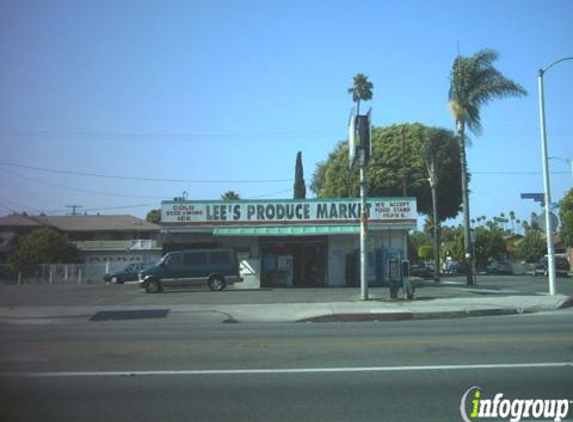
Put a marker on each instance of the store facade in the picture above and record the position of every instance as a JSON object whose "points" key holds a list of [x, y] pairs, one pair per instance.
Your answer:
{"points": [[294, 243]]}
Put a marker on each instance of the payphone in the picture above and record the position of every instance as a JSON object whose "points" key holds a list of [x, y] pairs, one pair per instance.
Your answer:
{"points": [[394, 277], [399, 278]]}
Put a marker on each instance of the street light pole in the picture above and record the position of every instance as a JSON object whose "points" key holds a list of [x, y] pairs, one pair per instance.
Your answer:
{"points": [[546, 183], [363, 230]]}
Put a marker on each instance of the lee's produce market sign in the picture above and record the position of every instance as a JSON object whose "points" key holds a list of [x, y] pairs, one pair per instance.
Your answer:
{"points": [[279, 212]]}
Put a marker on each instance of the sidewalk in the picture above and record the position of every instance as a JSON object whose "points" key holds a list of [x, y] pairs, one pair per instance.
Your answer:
{"points": [[473, 302]]}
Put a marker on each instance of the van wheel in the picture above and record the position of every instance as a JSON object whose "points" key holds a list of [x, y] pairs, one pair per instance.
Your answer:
{"points": [[217, 283], [153, 286]]}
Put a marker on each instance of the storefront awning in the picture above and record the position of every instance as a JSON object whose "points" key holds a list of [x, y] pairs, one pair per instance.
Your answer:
{"points": [[286, 230]]}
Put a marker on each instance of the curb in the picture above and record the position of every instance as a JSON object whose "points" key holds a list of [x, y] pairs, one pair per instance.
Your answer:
{"points": [[567, 304], [408, 316]]}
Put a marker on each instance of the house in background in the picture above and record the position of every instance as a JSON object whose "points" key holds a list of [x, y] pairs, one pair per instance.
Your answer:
{"points": [[112, 240]]}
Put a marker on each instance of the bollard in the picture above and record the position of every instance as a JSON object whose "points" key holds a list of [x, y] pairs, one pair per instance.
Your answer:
{"points": [[19, 278], [51, 276], [66, 272], [80, 276]]}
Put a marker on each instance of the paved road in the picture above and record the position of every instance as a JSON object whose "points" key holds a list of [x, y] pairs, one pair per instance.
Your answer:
{"points": [[165, 368]]}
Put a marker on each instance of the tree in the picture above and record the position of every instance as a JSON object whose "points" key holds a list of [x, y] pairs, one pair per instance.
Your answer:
{"points": [[489, 244], [566, 217], [512, 218], [154, 216], [299, 190], [532, 247], [334, 179], [361, 90], [474, 82], [434, 143], [417, 240], [425, 252], [230, 196], [43, 246]]}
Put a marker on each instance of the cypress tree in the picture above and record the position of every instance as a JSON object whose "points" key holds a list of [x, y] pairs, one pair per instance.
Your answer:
{"points": [[299, 185]]}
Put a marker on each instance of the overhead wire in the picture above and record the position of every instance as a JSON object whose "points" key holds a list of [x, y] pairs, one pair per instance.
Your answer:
{"points": [[165, 136], [146, 179], [43, 182]]}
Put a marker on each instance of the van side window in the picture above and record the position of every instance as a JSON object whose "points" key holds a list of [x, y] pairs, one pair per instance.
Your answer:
{"points": [[173, 260], [221, 257], [195, 258]]}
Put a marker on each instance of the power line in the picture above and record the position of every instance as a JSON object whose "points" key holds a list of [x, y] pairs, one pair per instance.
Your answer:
{"points": [[74, 208], [144, 179], [511, 173], [43, 182], [271, 194], [153, 204], [166, 136], [5, 200]]}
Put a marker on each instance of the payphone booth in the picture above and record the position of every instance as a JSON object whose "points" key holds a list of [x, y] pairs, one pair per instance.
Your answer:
{"points": [[394, 277], [399, 278]]}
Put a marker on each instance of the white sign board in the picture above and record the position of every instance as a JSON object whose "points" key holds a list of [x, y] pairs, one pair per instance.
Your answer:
{"points": [[284, 212]]}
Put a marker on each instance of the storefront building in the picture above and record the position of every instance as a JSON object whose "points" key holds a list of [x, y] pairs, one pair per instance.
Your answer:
{"points": [[300, 243]]}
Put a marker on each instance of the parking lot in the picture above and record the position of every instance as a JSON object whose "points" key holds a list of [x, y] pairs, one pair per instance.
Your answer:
{"points": [[130, 294]]}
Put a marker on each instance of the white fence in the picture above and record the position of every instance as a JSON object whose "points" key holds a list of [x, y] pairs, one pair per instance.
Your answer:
{"points": [[58, 273]]}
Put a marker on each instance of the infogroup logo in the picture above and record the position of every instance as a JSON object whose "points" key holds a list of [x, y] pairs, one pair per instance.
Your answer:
{"points": [[512, 409]]}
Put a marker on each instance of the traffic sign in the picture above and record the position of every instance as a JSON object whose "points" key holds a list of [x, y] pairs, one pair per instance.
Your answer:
{"points": [[537, 197], [554, 222]]}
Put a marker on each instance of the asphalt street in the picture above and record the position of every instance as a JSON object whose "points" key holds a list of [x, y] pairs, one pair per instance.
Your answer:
{"points": [[171, 368]]}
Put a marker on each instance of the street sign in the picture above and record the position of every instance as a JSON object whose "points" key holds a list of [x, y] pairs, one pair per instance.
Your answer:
{"points": [[352, 138], [554, 222], [537, 197]]}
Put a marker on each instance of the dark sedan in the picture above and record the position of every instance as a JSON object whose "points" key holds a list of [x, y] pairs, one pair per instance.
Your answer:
{"points": [[128, 273], [499, 267]]}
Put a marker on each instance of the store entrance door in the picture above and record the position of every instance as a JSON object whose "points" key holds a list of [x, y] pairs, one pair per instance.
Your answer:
{"points": [[298, 263]]}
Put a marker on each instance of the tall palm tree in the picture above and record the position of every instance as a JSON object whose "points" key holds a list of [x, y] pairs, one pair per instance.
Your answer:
{"points": [[512, 218], [434, 145], [361, 90], [474, 82]]}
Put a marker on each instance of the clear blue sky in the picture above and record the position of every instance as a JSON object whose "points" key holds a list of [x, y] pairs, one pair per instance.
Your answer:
{"points": [[231, 90]]}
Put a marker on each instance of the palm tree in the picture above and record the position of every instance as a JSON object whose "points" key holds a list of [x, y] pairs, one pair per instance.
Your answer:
{"points": [[512, 218], [434, 144], [230, 196], [361, 90], [474, 82]]}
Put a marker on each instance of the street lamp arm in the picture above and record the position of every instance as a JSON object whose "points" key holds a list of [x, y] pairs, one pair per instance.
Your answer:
{"points": [[542, 71]]}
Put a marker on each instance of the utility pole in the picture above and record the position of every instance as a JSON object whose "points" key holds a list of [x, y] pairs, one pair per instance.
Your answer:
{"points": [[74, 207], [360, 142], [363, 229], [404, 175]]}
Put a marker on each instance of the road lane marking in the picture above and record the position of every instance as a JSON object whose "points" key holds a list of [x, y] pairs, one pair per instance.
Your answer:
{"points": [[283, 370]]}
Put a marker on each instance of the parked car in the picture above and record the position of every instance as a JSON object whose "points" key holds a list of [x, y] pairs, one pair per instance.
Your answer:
{"points": [[562, 266], [214, 267], [128, 273], [454, 267], [499, 267], [421, 270]]}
